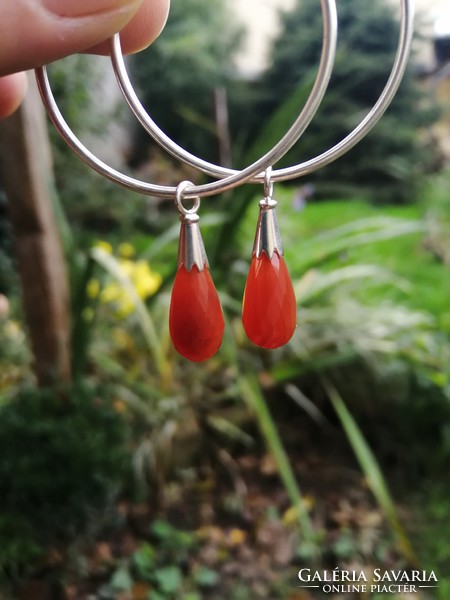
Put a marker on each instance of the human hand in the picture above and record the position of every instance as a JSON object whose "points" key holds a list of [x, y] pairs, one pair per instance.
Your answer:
{"points": [[36, 32]]}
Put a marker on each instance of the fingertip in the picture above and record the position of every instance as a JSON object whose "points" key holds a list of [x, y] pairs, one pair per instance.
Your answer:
{"points": [[35, 33], [146, 26], [143, 28], [12, 91]]}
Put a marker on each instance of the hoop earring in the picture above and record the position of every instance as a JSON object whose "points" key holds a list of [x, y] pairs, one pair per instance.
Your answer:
{"points": [[269, 307], [196, 322]]}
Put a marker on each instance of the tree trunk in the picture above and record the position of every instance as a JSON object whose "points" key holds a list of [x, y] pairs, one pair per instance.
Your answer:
{"points": [[26, 173]]}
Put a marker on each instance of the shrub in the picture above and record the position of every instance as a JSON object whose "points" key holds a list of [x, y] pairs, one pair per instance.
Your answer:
{"points": [[63, 458]]}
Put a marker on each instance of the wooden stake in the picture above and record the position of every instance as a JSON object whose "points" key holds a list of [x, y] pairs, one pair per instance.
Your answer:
{"points": [[26, 174]]}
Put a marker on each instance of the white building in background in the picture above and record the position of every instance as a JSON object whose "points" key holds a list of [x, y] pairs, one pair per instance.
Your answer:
{"points": [[260, 18], [434, 16]]}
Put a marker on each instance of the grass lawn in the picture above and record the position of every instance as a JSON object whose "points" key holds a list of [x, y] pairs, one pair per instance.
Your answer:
{"points": [[405, 256]]}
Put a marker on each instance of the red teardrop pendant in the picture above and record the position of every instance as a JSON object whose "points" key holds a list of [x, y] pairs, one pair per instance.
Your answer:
{"points": [[269, 311], [196, 320]]}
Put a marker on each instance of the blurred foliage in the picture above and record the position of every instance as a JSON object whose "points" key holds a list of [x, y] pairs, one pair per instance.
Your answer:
{"points": [[145, 281], [91, 202], [430, 512], [389, 163], [364, 324], [177, 75], [163, 566], [64, 460], [342, 321], [15, 367], [436, 203], [8, 280], [371, 469]]}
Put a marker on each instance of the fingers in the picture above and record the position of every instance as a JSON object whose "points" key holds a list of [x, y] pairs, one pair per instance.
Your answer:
{"points": [[36, 32], [143, 28], [12, 92]]}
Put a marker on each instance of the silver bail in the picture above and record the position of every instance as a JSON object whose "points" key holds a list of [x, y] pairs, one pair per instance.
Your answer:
{"points": [[191, 249], [268, 237]]}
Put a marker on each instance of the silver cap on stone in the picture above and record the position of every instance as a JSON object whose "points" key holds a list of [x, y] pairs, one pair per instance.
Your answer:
{"points": [[191, 249], [267, 238]]}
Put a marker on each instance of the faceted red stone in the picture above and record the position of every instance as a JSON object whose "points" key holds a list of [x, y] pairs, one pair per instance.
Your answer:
{"points": [[269, 310], [195, 320]]}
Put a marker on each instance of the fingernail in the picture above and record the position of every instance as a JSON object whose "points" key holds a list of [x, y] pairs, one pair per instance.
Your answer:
{"points": [[85, 8]]}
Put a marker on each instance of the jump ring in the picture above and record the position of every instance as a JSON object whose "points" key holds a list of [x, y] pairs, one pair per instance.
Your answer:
{"points": [[181, 188], [268, 183]]}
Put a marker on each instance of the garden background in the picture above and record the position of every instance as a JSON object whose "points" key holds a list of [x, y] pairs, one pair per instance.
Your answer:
{"points": [[127, 472]]}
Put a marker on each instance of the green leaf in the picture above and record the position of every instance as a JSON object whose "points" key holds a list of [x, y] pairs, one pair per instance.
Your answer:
{"points": [[205, 577], [121, 580], [154, 595], [144, 561], [162, 530], [169, 579], [348, 238], [324, 282], [183, 540], [229, 429], [371, 470]]}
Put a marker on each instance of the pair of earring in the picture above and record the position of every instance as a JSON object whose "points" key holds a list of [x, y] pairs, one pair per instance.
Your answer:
{"points": [[269, 311]]}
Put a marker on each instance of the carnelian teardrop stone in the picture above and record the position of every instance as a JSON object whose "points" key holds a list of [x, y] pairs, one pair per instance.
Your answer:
{"points": [[196, 320], [269, 310]]}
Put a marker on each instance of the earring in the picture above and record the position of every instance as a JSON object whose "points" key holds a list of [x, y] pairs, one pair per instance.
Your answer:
{"points": [[269, 308], [196, 322]]}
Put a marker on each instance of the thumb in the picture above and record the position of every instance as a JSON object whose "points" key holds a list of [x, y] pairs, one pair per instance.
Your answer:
{"points": [[36, 32]]}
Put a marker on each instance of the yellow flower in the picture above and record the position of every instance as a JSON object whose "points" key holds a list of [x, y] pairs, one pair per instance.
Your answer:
{"points": [[127, 267], [106, 246], [114, 293], [111, 293], [126, 250], [146, 281], [290, 517], [93, 288], [125, 308], [236, 537]]}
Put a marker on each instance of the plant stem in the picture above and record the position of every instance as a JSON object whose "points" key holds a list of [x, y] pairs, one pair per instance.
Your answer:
{"points": [[252, 394]]}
